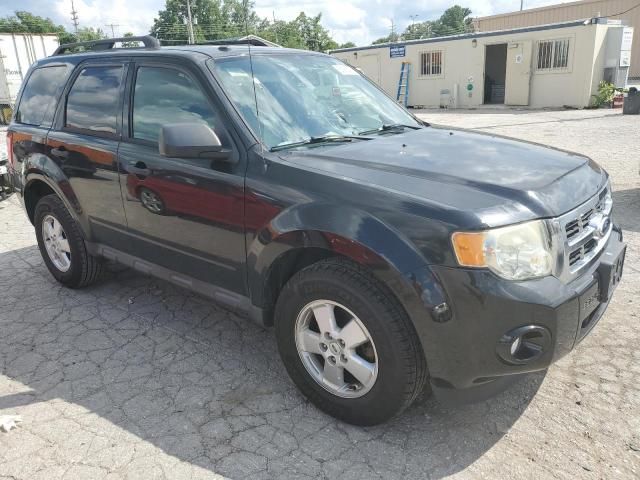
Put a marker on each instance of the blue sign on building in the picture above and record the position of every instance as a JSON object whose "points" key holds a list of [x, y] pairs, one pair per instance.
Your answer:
{"points": [[396, 51]]}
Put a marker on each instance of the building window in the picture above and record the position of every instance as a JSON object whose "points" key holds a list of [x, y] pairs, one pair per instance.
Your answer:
{"points": [[553, 54], [431, 63]]}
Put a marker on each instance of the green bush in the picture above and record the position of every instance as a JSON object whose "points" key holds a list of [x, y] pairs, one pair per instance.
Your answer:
{"points": [[604, 97]]}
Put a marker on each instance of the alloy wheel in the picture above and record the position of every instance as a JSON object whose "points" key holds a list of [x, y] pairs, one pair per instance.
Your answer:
{"points": [[56, 243], [336, 349]]}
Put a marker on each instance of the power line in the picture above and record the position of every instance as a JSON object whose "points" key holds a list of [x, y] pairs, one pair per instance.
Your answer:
{"points": [[626, 11]]}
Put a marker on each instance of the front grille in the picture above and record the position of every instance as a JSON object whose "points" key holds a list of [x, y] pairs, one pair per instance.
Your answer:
{"points": [[581, 239]]}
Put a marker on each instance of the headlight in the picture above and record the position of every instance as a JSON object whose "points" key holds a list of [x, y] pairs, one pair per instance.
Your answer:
{"points": [[517, 252]]}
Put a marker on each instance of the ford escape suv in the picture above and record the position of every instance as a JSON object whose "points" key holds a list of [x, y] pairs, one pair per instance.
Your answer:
{"points": [[390, 255]]}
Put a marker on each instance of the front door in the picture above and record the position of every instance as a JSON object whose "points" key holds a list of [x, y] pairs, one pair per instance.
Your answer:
{"points": [[518, 73], [184, 214]]}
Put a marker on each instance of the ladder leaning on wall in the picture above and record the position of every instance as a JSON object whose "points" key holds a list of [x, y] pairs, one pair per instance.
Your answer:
{"points": [[403, 83]]}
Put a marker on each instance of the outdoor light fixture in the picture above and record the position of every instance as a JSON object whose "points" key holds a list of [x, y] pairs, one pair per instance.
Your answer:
{"points": [[474, 43]]}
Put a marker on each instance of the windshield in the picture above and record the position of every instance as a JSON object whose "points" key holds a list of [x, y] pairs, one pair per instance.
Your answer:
{"points": [[302, 96]]}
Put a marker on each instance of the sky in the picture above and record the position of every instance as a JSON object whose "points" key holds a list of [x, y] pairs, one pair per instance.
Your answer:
{"points": [[359, 21]]}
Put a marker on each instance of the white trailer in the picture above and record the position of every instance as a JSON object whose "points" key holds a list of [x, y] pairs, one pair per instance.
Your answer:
{"points": [[18, 51]]}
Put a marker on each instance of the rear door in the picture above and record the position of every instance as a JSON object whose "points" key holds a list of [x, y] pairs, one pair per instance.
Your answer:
{"points": [[184, 214], [518, 78], [84, 143]]}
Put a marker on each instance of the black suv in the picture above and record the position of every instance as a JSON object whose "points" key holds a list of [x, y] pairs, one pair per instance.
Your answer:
{"points": [[389, 255]]}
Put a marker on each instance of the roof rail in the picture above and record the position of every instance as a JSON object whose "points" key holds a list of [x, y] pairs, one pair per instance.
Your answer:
{"points": [[107, 44]]}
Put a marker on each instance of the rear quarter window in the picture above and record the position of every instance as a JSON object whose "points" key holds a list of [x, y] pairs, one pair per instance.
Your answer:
{"points": [[40, 94]]}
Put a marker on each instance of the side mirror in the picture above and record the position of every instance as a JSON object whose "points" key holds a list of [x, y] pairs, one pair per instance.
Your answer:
{"points": [[192, 140]]}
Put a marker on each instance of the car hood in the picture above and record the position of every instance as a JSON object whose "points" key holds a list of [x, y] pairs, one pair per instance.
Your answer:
{"points": [[500, 180]]}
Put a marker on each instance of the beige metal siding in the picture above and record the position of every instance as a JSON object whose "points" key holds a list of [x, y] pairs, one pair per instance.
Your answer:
{"points": [[461, 81], [571, 11]]}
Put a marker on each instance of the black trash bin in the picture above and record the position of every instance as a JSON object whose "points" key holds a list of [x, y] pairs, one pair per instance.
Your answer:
{"points": [[632, 102]]}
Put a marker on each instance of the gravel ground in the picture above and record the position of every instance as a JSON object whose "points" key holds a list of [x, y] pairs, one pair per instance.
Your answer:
{"points": [[135, 378]]}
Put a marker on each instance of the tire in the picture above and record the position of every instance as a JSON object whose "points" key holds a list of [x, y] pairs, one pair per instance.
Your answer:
{"points": [[83, 268], [397, 354]]}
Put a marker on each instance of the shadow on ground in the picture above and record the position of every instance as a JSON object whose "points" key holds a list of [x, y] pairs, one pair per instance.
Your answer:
{"points": [[626, 204], [149, 363]]}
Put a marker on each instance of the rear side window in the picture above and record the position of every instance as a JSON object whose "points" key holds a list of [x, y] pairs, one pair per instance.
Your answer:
{"points": [[164, 95], [93, 101], [37, 105]]}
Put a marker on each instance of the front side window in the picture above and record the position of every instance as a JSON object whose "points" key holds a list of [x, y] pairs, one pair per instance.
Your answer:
{"points": [[93, 101], [431, 63], [301, 96], [165, 95], [553, 54], [39, 96]]}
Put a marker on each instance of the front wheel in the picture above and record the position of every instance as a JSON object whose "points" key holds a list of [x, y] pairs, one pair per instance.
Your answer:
{"points": [[347, 343]]}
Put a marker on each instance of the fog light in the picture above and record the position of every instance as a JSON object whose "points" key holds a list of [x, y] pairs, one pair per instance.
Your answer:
{"points": [[515, 345], [524, 344]]}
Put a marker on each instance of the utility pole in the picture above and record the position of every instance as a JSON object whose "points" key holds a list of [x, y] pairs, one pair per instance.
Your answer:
{"points": [[112, 25], [74, 17], [392, 35], [275, 25], [190, 24], [521, 4], [413, 21]]}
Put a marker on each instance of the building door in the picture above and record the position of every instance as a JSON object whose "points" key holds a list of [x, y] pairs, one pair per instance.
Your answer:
{"points": [[518, 73], [370, 66], [495, 71]]}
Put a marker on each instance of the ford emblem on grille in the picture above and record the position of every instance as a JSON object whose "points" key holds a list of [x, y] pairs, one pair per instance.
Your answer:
{"points": [[600, 224]]}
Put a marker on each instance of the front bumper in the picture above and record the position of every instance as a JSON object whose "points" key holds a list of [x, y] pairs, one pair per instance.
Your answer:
{"points": [[471, 350]]}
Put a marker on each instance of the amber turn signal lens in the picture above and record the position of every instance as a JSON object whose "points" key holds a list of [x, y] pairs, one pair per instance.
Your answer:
{"points": [[469, 248]]}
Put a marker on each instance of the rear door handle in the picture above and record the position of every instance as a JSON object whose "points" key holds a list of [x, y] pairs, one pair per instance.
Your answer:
{"points": [[139, 169], [61, 153]]}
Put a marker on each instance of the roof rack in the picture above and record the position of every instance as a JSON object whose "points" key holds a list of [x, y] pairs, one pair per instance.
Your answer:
{"points": [[107, 44]]}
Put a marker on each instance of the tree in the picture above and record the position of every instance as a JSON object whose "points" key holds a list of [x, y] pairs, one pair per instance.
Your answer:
{"points": [[419, 30], [212, 19], [220, 19], [312, 34], [85, 34], [129, 44], [347, 45], [454, 20], [25, 22], [392, 37]]}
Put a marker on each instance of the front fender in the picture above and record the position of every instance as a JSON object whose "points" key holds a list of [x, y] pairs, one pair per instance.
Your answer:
{"points": [[358, 236]]}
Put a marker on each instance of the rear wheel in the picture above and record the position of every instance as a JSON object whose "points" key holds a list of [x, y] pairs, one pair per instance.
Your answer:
{"points": [[62, 245], [347, 343]]}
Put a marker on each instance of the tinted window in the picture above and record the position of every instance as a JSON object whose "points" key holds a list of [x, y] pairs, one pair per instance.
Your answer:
{"points": [[92, 103], [40, 94], [165, 95]]}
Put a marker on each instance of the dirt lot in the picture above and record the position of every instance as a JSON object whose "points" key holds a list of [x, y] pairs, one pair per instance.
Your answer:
{"points": [[135, 378]]}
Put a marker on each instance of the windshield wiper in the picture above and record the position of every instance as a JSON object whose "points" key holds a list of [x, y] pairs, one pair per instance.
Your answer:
{"points": [[390, 126], [314, 140]]}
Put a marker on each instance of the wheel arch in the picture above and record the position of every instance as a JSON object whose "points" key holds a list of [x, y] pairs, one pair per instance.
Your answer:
{"points": [[304, 235], [44, 177]]}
